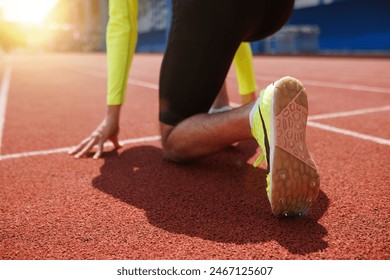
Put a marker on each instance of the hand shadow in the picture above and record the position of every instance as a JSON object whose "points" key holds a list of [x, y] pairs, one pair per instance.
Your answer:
{"points": [[220, 198]]}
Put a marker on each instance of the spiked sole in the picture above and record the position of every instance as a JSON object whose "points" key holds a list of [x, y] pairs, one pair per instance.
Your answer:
{"points": [[294, 176]]}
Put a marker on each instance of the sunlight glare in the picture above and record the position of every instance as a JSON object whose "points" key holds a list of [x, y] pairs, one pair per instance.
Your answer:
{"points": [[26, 11]]}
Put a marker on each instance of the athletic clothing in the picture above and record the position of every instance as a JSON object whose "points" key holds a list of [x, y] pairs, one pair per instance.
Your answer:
{"points": [[203, 39], [121, 39], [243, 64]]}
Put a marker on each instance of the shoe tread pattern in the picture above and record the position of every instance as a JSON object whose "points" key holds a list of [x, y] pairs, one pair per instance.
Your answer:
{"points": [[295, 178]]}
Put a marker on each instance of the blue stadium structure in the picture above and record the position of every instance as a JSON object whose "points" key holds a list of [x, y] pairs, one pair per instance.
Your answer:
{"points": [[316, 26]]}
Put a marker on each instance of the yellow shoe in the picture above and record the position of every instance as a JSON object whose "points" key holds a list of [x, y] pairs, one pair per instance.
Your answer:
{"points": [[279, 127]]}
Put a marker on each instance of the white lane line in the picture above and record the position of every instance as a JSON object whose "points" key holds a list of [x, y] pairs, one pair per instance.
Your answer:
{"points": [[347, 86], [334, 85], [142, 84], [66, 149], [157, 138], [141, 140], [327, 84], [270, 78], [349, 133], [129, 81], [349, 113], [4, 89], [234, 104], [314, 117]]}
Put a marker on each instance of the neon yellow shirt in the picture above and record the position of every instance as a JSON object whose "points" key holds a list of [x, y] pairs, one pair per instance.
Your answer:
{"points": [[121, 37]]}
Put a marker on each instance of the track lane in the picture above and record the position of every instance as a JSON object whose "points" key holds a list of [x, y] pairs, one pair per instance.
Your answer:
{"points": [[133, 205]]}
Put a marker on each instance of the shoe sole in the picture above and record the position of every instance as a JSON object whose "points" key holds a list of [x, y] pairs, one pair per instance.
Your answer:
{"points": [[294, 176]]}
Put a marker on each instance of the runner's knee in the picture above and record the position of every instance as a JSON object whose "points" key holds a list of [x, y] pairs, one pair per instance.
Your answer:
{"points": [[172, 150]]}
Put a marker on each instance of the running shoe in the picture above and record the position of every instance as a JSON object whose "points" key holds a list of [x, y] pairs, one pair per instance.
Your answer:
{"points": [[279, 127]]}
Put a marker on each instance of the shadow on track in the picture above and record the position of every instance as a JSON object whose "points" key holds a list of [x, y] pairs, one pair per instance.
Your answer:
{"points": [[220, 198]]}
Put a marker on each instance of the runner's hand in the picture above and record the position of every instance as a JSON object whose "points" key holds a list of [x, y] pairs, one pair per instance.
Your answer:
{"points": [[107, 130]]}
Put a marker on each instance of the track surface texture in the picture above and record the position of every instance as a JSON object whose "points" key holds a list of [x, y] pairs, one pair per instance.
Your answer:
{"points": [[132, 204]]}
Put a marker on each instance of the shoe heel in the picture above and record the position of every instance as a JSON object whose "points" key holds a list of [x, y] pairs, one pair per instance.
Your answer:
{"points": [[295, 179]]}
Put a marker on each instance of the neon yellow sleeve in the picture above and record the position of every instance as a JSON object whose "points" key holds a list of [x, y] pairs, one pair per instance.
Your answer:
{"points": [[243, 64], [121, 37]]}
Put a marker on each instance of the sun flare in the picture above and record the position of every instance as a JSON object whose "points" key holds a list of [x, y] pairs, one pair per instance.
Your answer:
{"points": [[26, 11]]}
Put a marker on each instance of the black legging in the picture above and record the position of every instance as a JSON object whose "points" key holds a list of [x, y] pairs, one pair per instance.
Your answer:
{"points": [[204, 37]]}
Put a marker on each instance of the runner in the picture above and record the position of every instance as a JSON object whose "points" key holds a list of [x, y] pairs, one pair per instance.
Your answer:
{"points": [[209, 33]]}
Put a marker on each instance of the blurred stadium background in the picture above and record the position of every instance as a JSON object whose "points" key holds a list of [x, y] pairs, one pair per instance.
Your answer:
{"points": [[316, 27]]}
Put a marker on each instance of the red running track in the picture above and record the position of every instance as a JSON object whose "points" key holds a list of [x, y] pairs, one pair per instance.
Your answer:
{"points": [[132, 204]]}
